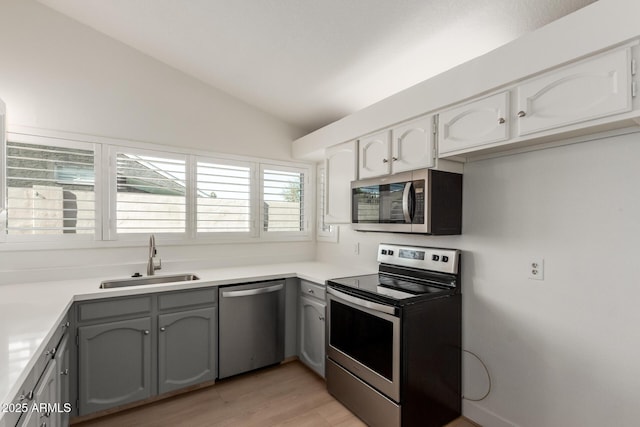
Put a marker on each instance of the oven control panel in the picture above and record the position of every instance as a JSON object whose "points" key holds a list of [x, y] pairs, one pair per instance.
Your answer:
{"points": [[427, 258]]}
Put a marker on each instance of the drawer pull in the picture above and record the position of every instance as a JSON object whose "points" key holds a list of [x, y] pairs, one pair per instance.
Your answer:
{"points": [[311, 291]]}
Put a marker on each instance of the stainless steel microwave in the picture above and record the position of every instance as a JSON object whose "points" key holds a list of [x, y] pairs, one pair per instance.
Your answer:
{"points": [[425, 201]]}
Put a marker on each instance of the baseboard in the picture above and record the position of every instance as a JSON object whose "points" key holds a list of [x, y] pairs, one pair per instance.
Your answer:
{"points": [[484, 417]]}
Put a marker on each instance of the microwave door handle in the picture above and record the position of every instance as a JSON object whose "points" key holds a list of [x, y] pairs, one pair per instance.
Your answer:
{"points": [[406, 200]]}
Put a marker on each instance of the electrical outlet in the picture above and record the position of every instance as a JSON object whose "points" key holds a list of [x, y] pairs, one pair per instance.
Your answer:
{"points": [[356, 248], [536, 268]]}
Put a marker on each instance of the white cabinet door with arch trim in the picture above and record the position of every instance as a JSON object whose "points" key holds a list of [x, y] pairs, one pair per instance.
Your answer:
{"points": [[374, 155], [585, 91], [476, 123], [412, 145]]}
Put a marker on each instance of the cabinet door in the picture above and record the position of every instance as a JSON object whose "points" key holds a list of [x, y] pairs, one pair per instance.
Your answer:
{"points": [[474, 124], [115, 364], [186, 348], [340, 169], [412, 145], [373, 155], [592, 89], [312, 321], [62, 372]]}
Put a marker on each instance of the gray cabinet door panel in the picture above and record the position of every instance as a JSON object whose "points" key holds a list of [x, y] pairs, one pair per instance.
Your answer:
{"points": [[312, 333], [186, 348], [115, 364]]}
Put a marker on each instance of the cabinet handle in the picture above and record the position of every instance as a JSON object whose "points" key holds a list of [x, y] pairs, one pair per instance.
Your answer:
{"points": [[394, 159], [521, 113], [385, 161], [146, 332], [28, 396], [501, 121], [163, 329], [321, 318], [51, 352], [65, 372]]}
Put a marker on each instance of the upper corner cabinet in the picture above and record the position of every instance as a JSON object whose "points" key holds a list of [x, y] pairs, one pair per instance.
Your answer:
{"points": [[407, 146], [476, 123], [597, 87]]}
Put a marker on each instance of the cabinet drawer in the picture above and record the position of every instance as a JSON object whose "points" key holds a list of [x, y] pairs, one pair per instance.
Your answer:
{"points": [[113, 308], [312, 289], [187, 298]]}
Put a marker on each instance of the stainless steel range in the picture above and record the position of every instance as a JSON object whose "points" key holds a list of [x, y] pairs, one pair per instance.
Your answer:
{"points": [[394, 338]]}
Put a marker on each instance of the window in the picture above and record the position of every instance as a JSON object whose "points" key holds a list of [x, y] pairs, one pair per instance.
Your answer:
{"points": [[50, 188], [151, 193], [325, 232], [283, 199], [224, 197], [62, 189]]}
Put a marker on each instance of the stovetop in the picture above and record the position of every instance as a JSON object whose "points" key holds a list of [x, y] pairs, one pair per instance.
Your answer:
{"points": [[388, 289], [406, 274]]}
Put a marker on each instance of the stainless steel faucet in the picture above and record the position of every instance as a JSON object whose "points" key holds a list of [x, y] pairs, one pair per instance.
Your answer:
{"points": [[154, 263]]}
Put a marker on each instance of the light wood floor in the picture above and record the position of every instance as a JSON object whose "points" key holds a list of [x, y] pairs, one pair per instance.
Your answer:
{"points": [[285, 395]]}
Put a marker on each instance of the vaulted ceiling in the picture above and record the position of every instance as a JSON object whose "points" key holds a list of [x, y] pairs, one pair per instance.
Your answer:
{"points": [[311, 62]]}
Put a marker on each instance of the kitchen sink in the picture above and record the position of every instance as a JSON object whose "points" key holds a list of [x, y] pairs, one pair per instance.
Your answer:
{"points": [[148, 280]]}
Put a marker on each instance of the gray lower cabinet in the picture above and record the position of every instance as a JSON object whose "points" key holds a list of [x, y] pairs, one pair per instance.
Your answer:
{"points": [[311, 324], [134, 348], [114, 364], [41, 396], [186, 348]]}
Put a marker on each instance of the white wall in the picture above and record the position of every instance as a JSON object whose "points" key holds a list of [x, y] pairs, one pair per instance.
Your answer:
{"points": [[564, 351], [58, 74]]}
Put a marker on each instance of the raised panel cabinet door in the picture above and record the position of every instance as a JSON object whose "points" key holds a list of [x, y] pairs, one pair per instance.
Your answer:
{"points": [[374, 155], [589, 90], [474, 124], [187, 343], [41, 411], [340, 169], [312, 324], [62, 372], [412, 145], [115, 364]]}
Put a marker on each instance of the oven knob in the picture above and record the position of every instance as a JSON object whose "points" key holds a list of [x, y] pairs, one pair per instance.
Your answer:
{"points": [[445, 258], [390, 252], [383, 252], [435, 257]]}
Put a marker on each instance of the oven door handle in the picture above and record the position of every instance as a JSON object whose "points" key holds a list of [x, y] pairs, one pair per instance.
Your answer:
{"points": [[363, 303]]}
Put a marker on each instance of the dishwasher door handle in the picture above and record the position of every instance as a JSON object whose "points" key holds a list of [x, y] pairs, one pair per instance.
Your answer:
{"points": [[249, 292]]}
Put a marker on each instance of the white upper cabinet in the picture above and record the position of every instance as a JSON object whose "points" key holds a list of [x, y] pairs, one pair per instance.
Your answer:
{"points": [[477, 123], [340, 169], [407, 146], [412, 145], [588, 90], [374, 154]]}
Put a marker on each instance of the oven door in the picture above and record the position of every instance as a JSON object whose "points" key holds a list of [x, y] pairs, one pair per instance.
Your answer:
{"points": [[364, 337]]}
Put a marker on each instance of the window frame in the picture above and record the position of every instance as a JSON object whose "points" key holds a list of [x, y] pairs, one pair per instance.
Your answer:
{"points": [[97, 188], [110, 224], [105, 188], [308, 195], [323, 235], [254, 201]]}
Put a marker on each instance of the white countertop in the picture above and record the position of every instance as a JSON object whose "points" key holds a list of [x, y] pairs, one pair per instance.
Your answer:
{"points": [[29, 312]]}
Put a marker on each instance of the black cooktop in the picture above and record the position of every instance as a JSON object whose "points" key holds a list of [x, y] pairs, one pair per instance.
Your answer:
{"points": [[389, 289]]}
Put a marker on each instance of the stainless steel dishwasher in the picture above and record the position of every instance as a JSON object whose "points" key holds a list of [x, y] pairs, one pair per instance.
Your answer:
{"points": [[251, 326]]}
